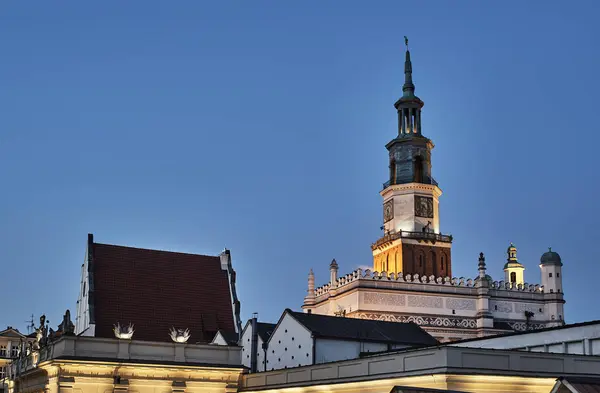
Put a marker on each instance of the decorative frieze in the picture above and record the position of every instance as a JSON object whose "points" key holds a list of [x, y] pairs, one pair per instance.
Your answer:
{"points": [[501, 306], [425, 301], [522, 326], [522, 307], [434, 321], [460, 304], [384, 299]]}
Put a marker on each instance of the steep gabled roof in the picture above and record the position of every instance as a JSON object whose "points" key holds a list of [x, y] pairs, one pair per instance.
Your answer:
{"points": [[11, 332], [578, 385], [363, 329], [265, 330], [231, 338], [156, 290]]}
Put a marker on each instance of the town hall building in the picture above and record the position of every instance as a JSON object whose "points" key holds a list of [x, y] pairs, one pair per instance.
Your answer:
{"points": [[411, 279]]}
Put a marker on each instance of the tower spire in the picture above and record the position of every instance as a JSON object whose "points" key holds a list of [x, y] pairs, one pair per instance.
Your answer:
{"points": [[409, 88]]}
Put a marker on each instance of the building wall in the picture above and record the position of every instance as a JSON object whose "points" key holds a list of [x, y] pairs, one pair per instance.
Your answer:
{"points": [[330, 350], [290, 345], [82, 318], [581, 340], [246, 343]]}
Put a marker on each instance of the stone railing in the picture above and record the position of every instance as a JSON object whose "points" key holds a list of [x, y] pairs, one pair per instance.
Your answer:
{"points": [[359, 274], [133, 350]]}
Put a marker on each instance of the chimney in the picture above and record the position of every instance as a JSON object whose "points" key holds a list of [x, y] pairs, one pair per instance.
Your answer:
{"points": [[254, 344]]}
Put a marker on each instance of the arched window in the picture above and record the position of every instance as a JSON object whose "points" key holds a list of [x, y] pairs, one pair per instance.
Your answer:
{"points": [[513, 277], [443, 263], [421, 261], [418, 169]]}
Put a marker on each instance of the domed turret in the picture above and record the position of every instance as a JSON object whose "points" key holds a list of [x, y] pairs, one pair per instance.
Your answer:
{"points": [[550, 258], [551, 270], [513, 270]]}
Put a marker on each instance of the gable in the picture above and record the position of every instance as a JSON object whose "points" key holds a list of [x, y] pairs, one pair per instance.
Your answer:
{"points": [[11, 333]]}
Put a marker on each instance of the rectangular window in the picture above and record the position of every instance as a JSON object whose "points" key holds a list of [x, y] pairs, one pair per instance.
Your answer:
{"points": [[2, 351], [14, 350], [557, 275], [549, 274], [2, 373]]}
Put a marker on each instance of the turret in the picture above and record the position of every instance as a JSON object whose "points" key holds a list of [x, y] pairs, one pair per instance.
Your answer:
{"points": [[551, 270], [333, 272], [513, 270], [551, 266], [310, 295]]}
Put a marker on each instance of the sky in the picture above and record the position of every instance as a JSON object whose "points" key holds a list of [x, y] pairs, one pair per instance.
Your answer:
{"points": [[261, 127]]}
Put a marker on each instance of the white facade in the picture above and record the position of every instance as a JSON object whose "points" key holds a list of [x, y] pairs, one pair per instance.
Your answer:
{"points": [[83, 325], [246, 344], [579, 339], [450, 309], [290, 345], [403, 217]]}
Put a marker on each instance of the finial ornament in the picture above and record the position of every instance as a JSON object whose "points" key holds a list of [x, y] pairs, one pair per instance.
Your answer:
{"points": [[406, 42], [550, 249]]}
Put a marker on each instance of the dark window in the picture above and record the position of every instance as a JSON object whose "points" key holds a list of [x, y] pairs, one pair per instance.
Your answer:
{"points": [[279, 341], [286, 348], [549, 274], [513, 277], [418, 169], [552, 291], [292, 356], [286, 330], [540, 310], [307, 355], [273, 351], [292, 338], [299, 346], [421, 260], [495, 307], [453, 311], [557, 275]]}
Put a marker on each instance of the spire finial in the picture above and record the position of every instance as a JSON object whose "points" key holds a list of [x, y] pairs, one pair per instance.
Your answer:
{"points": [[550, 249], [409, 88]]}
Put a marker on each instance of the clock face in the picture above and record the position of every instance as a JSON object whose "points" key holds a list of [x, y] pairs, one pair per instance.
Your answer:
{"points": [[388, 211], [423, 206]]}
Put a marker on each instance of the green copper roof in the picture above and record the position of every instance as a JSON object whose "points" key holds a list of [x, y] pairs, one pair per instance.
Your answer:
{"points": [[550, 258]]}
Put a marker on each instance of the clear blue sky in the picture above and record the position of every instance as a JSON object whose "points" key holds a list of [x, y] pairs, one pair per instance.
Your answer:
{"points": [[260, 126]]}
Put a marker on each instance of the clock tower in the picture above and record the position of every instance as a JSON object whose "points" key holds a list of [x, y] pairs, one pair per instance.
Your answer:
{"points": [[412, 242]]}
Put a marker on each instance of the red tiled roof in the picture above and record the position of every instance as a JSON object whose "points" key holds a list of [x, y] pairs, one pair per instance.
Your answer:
{"points": [[156, 290]]}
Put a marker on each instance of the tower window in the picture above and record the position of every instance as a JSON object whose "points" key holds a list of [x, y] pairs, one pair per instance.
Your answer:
{"points": [[552, 291], [418, 169], [549, 274], [557, 275], [513, 277]]}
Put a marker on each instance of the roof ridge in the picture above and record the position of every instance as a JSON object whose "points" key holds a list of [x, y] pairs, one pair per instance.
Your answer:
{"points": [[156, 250]]}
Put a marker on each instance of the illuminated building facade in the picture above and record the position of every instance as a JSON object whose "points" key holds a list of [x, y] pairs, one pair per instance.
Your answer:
{"points": [[411, 279]]}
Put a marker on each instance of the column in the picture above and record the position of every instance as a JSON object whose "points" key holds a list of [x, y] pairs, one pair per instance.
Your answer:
{"points": [[418, 120], [403, 117]]}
